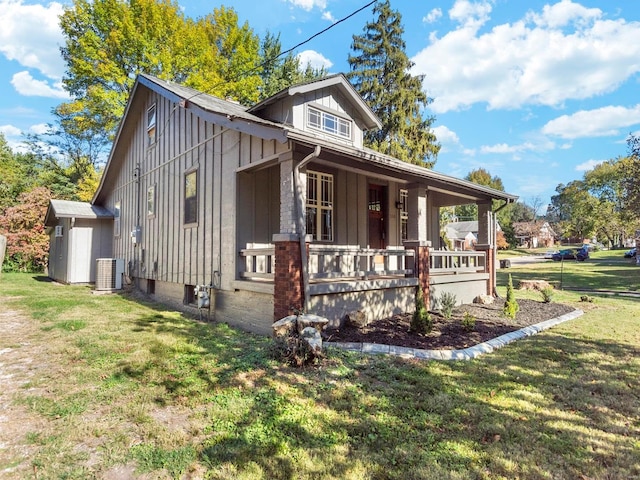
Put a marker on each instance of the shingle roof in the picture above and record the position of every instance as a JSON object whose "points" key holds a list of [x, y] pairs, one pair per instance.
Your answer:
{"points": [[71, 209]]}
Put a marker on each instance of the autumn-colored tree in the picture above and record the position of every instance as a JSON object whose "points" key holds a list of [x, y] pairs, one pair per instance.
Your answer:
{"points": [[109, 42], [23, 225]]}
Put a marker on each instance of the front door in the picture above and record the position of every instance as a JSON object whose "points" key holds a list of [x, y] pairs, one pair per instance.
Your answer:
{"points": [[377, 195]]}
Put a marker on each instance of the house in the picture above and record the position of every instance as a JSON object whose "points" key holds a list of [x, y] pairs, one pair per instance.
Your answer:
{"points": [[464, 235], [79, 234], [534, 234], [279, 207]]}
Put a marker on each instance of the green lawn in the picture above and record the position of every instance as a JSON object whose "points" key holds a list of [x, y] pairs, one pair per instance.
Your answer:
{"points": [[133, 387]]}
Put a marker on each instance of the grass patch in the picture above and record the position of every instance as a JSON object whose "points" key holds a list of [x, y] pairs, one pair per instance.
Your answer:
{"points": [[140, 385]]}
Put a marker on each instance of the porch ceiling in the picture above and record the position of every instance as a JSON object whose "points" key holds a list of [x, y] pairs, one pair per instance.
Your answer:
{"points": [[446, 190]]}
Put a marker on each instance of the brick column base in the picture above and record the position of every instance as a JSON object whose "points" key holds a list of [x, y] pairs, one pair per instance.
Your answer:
{"points": [[288, 292], [421, 267], [490, 267]]}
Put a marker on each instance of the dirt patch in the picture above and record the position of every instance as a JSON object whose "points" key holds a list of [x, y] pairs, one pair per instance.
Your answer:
{"points": [[17, 368], [449, 334]]}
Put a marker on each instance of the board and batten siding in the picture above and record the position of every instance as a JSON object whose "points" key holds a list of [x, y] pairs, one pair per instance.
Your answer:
{"points": [[169, 250]]}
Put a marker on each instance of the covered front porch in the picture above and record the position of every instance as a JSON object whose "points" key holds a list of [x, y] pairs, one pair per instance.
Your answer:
{"points": [[370, 230]]}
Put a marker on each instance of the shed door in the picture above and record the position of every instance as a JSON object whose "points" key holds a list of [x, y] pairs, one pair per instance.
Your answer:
{"points": [[377, 195]]}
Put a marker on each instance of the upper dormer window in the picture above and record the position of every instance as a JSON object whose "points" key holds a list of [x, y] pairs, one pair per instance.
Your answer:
{"points": [[328, 123]]}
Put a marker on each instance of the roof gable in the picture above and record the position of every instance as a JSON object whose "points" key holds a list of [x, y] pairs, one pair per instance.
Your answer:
{"points": [[338, 81]]}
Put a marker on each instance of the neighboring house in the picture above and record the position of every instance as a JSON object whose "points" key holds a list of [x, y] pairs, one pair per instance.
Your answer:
{"points": [[278, 207], [464, 235], [534, 234], [79, 234]]}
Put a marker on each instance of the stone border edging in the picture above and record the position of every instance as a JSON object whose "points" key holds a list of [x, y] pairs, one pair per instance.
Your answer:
{"points": [[464, 354]]}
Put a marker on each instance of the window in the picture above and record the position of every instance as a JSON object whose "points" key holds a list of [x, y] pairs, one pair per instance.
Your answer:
{"points": [[319, 211], [328, 123], [404, 214], [116, 219], [191, 197], [151, 123], [151, 200]]}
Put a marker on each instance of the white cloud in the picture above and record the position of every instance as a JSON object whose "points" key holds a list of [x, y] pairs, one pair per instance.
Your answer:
{"points": [[28, 86], [432, 16], [588, 165], [328, 16], [538, 145], [31, 36], [317, 60], [600, 122], [472, 14], [308, 5], [39, 128], [10, 131], [564, 52], [448, 139]]}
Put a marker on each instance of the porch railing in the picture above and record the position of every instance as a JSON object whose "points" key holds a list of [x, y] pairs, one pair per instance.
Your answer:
{"points": [[444, 262], [353, 262], [259, 261], [327, 262]]}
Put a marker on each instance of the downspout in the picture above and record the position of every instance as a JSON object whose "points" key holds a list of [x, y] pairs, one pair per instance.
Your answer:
{"points": [[302, 227]]}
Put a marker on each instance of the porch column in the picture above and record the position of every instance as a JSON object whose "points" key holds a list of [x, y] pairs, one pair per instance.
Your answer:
{"points": [[288, 274], [486, 243], [417, 210], [288, 292], [287, 195], [421, 267]]}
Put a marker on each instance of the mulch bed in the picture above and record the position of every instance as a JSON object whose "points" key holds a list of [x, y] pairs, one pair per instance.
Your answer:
{"points": [[448, 334]]}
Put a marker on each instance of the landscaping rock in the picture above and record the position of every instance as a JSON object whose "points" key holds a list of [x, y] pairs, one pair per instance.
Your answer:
{"points": [[310, 320], [313, 339], [285, 326], [357, 319], [484, 300]]}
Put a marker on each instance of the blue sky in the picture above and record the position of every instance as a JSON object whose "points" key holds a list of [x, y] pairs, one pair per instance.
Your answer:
{"points": [[535, 92]]}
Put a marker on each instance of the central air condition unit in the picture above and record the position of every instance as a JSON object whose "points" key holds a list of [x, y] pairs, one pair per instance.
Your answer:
{"points": [[109, 273]]}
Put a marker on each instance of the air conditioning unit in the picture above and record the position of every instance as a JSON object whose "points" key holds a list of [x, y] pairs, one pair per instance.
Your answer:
{"points": [[109, 273], [58, 230]]}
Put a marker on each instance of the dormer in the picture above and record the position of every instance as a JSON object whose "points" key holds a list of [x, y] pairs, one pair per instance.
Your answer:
{"points": [[329, 108]]}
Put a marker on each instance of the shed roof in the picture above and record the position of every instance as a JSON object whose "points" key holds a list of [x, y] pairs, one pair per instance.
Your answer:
{"points": [[70, 209]]}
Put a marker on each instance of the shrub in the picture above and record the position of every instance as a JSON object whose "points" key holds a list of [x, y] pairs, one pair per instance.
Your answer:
{"points": [[547, 294], [511, 306], [421, 320], [447, 303], [468, 321]]}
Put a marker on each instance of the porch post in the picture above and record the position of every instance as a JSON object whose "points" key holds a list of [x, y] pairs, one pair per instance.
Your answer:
{"points": [[288, 282], [288, 292], [486, 243], [417, 232]]}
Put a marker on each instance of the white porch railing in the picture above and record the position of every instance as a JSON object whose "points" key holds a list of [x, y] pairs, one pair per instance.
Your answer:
{"points": [[444, 262], [259, 261], [353, 262]]}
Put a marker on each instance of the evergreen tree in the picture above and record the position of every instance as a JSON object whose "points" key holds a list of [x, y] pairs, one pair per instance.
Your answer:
{"points": [[380, 73], [281, 71]]}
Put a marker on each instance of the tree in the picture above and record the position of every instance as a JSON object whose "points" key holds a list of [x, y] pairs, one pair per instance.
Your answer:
{"points": [[631, 185], [278, 71], [23, 225], [380, 73], [19, 172], [109, 42]]}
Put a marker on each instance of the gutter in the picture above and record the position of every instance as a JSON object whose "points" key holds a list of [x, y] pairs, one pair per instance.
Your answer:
{"points": [[302, 227]]}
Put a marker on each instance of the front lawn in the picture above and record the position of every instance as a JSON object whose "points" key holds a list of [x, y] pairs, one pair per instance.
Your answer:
{"points": [[110, 386]]}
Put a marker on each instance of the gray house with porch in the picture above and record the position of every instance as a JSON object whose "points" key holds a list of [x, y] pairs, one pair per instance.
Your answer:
{"points": [[279, 207]]}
